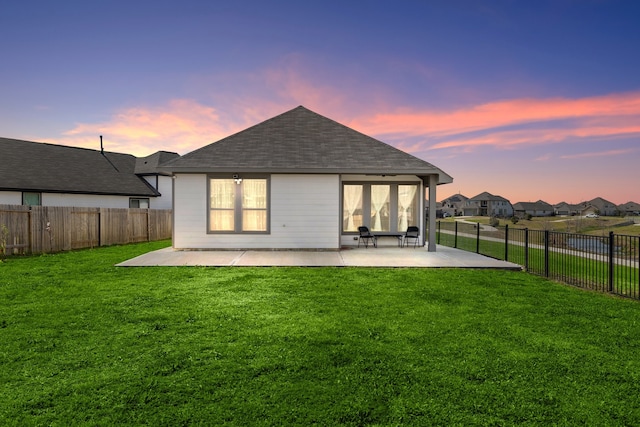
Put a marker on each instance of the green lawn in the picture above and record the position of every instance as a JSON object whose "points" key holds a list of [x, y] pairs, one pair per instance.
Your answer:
{"points": [[573, 269], [83, 342]]}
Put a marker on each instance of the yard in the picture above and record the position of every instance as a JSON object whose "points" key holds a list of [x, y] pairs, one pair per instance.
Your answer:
{"points": [[84, 342], [566, 224]]}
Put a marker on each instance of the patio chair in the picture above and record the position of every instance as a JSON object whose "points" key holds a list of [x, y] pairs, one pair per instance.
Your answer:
{"points": [[413, 232], [366, 235]]}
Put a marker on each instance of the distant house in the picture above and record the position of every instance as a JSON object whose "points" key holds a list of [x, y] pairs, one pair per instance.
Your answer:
{"points": [[33, 173], [487, 204], [566, 209], [630, 208], [603, 207], [298, 180], [539, 208], [454, 205]]}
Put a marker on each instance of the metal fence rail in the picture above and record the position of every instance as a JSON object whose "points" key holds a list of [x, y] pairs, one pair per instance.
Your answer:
{"points": [[608, 263]]}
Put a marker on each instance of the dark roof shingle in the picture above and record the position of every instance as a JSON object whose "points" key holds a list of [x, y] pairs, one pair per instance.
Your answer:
{"points": [[302, 141], [41, 167]]}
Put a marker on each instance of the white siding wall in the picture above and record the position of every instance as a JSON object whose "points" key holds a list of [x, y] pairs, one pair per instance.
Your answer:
{"points": [[84, 200], [164, 185], [10, 198], [189, 211], [304, 215]]}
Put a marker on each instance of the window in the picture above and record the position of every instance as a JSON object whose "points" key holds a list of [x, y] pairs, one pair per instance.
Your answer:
{"points": [[352, 207], [381, 207], [238, 205], [32, 199], [142, 203], [407, 206]]}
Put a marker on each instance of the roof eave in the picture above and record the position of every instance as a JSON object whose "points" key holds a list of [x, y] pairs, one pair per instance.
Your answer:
{"points": [[443, 178]]}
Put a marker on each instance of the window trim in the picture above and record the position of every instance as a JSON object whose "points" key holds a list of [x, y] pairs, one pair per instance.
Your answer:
{"points": [[237, 210], [366, 204], [139, 199]]}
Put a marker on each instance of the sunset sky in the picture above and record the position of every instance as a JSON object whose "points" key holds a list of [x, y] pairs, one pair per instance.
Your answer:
{"points": [[524, 99]]}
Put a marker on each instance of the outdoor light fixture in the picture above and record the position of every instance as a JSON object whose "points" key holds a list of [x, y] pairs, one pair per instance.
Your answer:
{"points": [[237, 179]]}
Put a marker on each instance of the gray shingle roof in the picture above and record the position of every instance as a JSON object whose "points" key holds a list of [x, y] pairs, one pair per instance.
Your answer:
{"points": [[302, 141], [540, 205], [40, 167], [149, 165], [487, 196]]}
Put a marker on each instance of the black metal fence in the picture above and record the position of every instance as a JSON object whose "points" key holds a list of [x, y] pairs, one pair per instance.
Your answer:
{"points": [[607, 263]]}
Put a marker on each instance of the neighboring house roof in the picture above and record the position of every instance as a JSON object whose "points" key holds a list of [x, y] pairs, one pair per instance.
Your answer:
{"points": [[487, 196], [41, 167], [301, 141], [602, 204], [566, 206], [629, 207], [456, 198], [149, 165], [533, 206]]}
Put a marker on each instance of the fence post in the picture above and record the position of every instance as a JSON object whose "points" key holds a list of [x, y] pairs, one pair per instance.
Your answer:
{"points": [[437, 233], [30, 233], [506, 242], [455, 235], [611, 260], [546, 253], [526, 249], [478, 238]]}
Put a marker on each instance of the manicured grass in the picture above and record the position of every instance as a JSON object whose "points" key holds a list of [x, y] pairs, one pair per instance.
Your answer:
{"points": [[564, 224], [565, 267], [83, 342]]}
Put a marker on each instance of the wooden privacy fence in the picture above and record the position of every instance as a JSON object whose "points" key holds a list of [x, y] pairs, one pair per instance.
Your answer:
{"points": [[44, 229]]}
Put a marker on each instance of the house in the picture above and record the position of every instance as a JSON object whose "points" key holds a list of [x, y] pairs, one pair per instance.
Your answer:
{"points": [[600, 206], [539, 208], [629, 208], [453, 205], [33, 173], [161, 181], [298, 181], [486, 204], [564, 208]]}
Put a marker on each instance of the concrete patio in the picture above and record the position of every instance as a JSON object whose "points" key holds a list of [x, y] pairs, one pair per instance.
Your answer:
{"points": [[348, 257]]}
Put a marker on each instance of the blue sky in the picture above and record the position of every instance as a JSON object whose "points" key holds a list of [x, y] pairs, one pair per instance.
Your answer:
{"points": [[528, 100]]}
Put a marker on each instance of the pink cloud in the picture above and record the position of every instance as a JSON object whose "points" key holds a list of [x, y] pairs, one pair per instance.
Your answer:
{"points": [[511, 138], [181, 125], [186, 124], [498, 114]]}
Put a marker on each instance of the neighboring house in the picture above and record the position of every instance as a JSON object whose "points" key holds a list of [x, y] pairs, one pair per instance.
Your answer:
{"points": [[298, 180], [454, 205], [630, 208], [33, 173], [564, 208], [539, 208], [160, 180], [603, 207], [486, 204]]}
